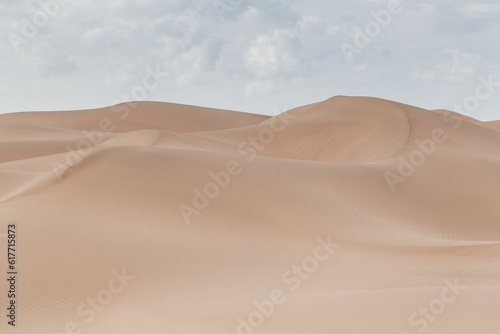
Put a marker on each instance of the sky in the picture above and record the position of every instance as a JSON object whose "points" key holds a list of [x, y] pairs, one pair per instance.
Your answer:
{"points": [[249, 55]]}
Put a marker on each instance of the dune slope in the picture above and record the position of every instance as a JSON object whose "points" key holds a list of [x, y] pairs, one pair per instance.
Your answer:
{"points": [[351, 215]]}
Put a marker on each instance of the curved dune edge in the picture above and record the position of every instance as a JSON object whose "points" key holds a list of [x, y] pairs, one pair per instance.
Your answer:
{"points": [[351, 215]]}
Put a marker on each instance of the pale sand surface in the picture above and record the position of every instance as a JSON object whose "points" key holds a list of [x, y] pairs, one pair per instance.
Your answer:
{"points": [[323, 175]]}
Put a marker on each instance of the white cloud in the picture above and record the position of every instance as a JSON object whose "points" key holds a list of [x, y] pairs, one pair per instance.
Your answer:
{"points": [[92, 34], [478, 10], [425, 76], [251, 14], [427, 7], [275, 53], [311, 24], [451, 67], [256, 88], [333, 30]]}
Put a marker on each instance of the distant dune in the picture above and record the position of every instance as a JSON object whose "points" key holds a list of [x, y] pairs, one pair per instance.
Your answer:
{"points": [[352, 215]]}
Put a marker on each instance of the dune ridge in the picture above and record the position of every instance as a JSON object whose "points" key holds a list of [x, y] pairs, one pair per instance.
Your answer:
{"points": [[351, 215]]}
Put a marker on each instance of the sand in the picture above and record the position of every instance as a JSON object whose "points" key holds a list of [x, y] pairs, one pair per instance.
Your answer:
{"points": [[352, 215]]}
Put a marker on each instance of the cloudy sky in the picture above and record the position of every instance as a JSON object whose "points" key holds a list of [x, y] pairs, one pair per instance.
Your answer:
{"points": [[249, 55]]}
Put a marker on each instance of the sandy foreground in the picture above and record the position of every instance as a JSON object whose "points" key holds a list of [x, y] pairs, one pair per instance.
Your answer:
{"points": [[352, 215]]}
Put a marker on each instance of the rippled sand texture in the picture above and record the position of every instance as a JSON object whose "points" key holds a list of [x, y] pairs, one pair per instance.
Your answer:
{"points": [[353, 215]]}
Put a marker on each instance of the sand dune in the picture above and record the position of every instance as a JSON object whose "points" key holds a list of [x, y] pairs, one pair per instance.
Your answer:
{"points": [[495, 125], [352, 215]]}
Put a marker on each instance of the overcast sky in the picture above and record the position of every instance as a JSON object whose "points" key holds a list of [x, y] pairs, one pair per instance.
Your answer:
{"points": [[249, 55]]}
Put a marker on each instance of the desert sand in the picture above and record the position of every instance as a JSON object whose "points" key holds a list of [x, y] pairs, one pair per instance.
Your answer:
{"points": [[351, 215]]}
